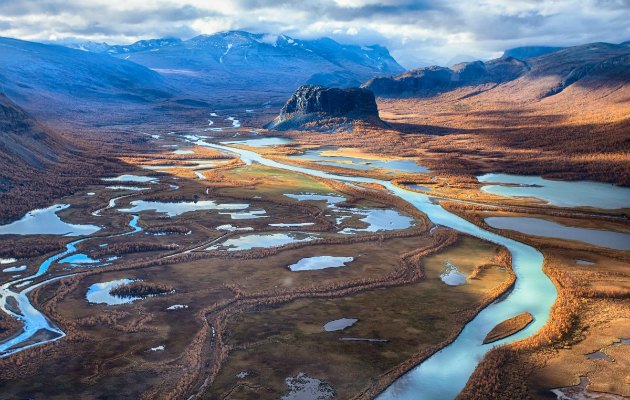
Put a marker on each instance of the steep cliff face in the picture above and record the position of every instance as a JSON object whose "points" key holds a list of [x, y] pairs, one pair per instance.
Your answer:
{"points": [[318, 107]]}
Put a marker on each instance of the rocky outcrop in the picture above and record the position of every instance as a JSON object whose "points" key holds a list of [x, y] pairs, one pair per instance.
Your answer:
{"points": [[321, 108], [433, 80]]}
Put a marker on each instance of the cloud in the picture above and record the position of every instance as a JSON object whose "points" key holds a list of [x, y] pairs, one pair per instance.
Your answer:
{"points": [[416, 32]]}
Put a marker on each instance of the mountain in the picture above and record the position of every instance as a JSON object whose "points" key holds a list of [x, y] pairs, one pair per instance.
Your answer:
{"points": [[238, 60], [535, 78], [432, 80], [52, 80], [326, 109], [526, 52]]}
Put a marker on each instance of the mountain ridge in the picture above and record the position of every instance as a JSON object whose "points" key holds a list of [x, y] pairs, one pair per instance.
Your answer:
{"points": [[534, 78], [256, 61]]}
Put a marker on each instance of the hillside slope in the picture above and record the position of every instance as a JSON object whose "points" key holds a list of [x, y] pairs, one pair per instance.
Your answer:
{"points": [[36, 164], [532, 79]]}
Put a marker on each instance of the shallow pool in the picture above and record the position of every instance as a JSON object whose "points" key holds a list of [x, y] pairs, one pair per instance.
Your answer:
{"points": [[176, 208], [45, 221], [556, 192], [262, 240], [98, 293], [542, 227], [320, 262]]}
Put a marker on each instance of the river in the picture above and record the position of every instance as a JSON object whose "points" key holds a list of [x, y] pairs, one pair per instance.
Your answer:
{"points": [[445, 373], [36, 327]]}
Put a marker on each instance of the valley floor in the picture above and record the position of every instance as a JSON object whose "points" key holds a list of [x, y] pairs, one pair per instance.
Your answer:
{"points": [[223, 314]]}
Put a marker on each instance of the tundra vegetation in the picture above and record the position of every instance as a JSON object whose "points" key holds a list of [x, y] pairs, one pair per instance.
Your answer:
{"points": [[249, 323]]}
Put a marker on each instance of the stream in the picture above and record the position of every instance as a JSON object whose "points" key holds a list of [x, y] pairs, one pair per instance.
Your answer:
{"points": [[441, 376], [37, 328], [445, 373]]}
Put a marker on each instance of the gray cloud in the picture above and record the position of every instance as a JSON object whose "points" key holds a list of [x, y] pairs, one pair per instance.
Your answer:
{"points": [[416, 32]]}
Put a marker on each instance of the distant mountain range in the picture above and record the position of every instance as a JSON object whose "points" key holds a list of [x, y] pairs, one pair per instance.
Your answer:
{"points": [[249, 61], [541, 72], [56, 79]]}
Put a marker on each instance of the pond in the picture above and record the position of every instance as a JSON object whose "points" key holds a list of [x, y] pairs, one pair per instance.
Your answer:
{"points": [[130, 178], [339, 324], [320, 262], [262, 240], [543, 227], [451, 275], [556, 192], [98, 293], [45, 221], [430, 379], [177, 208], [319, 156], [262, 142]]}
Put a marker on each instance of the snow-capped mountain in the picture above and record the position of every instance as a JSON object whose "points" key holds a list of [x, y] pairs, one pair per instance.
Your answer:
{"points": [[243, 60]]}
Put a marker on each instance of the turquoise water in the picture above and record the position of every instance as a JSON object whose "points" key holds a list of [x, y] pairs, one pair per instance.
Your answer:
{"points": [[558, 193], [32, 319], [444, 374]]}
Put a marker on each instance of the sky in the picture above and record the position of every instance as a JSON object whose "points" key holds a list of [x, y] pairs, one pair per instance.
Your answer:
{"points": [[417, 32]]}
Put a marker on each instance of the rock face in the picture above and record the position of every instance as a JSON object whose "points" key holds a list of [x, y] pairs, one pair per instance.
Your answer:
{"points": [[317, 106]]}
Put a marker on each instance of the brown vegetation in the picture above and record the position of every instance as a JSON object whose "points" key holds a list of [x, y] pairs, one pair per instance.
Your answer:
{"points": [[508, 327]]}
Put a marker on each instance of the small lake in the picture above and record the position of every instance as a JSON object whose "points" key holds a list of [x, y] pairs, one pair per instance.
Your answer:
{"points": [[45, 221], [132, 188], [175, 209], [419, 187], [376, 219], [339, 324], [98, 293], [328, 198], [262, 240], [558, 193], [320, 262], [180, 151], [15, 269], [78, 259], [451, 275], [542, 227], [292, 225], [252, 214], [262, 142], [130, 178], [362, 164], [379, 220]]}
